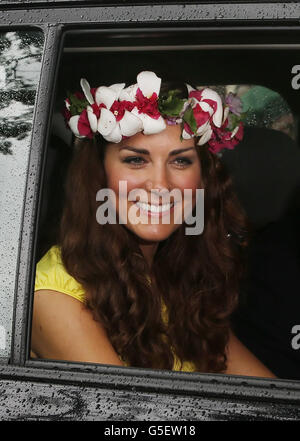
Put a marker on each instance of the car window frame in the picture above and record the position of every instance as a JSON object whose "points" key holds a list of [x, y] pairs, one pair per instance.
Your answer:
{"points": [[217, 385], [10, 295]]}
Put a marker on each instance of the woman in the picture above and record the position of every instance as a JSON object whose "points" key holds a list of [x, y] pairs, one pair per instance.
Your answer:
{"points": [[141, 291]]}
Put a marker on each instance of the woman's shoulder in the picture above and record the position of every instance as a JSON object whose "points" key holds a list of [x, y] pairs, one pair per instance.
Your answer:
{"points": [[52, 275]]}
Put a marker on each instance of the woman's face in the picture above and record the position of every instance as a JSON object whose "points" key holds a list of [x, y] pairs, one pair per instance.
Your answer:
{"points": [[153, 166]]}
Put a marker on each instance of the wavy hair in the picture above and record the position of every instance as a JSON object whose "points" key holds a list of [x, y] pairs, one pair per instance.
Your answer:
{"points": [[196, 277]]}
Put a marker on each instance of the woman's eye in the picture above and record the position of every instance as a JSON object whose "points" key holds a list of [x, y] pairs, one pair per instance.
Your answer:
{"points": [[138, 161], [182, 162], [134, 160]]}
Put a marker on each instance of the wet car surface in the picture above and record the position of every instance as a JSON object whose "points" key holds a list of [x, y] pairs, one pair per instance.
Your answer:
{"points": [[39, 40]]}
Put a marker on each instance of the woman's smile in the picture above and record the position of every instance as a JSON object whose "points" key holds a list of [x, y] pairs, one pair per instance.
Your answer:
{"points": [[155, 210], [161, 167]]}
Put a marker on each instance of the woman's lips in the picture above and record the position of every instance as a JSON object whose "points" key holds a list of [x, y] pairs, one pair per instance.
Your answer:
{"points": [[157, 210]]}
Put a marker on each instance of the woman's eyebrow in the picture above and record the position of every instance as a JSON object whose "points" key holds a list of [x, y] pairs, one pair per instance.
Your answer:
{"points": [[146, 152]]}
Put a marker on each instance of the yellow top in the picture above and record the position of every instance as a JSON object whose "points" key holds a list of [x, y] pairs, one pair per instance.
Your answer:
{"points": [[51, 274]]}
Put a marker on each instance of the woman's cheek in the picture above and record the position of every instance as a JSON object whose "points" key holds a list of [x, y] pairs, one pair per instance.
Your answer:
{"points": [[188, 183], [191, 181], [132, 181]]}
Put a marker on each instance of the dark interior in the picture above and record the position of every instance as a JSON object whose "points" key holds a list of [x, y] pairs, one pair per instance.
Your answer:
{"points": [[265, 167]]}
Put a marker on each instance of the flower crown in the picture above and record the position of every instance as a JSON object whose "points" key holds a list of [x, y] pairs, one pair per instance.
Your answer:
{"points": [[117, 112]]}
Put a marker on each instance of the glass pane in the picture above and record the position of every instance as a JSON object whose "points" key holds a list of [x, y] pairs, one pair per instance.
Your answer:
{"points": [[262, 107], [20, 63], [265, 170]]}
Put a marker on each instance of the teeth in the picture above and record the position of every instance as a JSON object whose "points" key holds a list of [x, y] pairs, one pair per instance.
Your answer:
{"points": [[154, 208]]}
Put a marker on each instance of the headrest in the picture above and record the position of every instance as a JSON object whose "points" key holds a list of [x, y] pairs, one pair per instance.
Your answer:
{"points": [[265, 168]]}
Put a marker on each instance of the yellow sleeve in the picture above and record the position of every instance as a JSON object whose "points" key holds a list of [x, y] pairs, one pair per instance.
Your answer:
{"points": [[187, 366], [51, 274]]}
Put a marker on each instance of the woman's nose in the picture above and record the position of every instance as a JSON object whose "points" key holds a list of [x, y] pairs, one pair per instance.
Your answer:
{"points": [[157, 180]]}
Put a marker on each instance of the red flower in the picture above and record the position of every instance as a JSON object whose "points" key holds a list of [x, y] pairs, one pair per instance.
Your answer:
{"points": [[200, 115], [188, 129], [97, 109], [239, 134], [66, 114], [84, 127], [212, 103], [196, 94], [118, 108], [221, 138], [147, 105], [93, 92], [79, 95], [211, 99]]}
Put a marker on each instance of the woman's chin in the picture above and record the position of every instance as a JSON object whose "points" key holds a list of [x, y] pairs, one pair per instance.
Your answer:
{"points": [[152, 233]]}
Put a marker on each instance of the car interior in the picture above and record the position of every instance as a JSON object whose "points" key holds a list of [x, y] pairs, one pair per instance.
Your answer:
{"points": [[265, 168]]}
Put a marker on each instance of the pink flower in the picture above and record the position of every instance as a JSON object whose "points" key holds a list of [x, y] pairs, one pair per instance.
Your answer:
{"points": [[207, 111], [225, 139], [234, 103], [209, 101], [172, 120], [198, 94]]}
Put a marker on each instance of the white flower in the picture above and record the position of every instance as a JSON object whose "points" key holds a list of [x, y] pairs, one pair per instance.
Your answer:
{"points": [[205, 136], [108, 95], [129, 93], [135, 120], [73, 124], [207, 98], [149, 83], [86, 90], [113, 130]]}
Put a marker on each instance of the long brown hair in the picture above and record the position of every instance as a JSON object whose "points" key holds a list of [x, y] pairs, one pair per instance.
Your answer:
{"points": [[197, 277]]}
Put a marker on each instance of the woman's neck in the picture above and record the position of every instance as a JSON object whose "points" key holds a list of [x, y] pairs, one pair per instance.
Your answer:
{"points": [[148, 250]]}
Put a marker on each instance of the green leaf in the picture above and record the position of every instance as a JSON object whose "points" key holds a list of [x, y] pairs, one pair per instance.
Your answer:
{"points": [[77, 105], [234, 120], [189, 118], [171, 105]]}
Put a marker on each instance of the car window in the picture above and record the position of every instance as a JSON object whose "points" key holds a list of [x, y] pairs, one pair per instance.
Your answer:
{"points": [[264, 169], [262, 107], [20, 64]]}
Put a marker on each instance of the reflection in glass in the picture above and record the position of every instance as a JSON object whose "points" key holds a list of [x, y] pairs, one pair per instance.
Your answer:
{"points": [[263, 107], [20, 63]]}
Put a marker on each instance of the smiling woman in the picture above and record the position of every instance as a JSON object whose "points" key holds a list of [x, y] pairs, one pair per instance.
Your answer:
{"points": [[160, 167], [141, 291]]}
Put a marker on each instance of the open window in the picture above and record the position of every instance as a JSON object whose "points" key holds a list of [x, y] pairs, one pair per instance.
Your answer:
{"points": [[265, 169]]}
